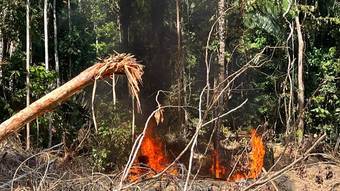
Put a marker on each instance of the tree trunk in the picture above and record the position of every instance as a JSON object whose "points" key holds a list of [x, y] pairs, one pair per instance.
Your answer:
{"points": [[56, 59], [133, 123], [56, 56], [28, 143], [125, 8], [301, 87], [114, 95], [96, 38], [288, 86], [46, 34], [69, 15], [121, 64], [221, 72], [179, 66], [69, 36], [3, 12], [221, 36], [47, 67], [1, 54], [38, 130]]}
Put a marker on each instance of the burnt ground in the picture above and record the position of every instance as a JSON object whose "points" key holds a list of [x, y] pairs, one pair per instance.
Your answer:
{"points": [[43, 170]]}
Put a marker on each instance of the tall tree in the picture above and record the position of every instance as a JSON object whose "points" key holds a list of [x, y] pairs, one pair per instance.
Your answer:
{"points": [[301, 86], [28, 143], [46, 33], [179, 62], [2, 22], [69, 14], [1, 53], [56, 59], [55, 30], [47, 66], [2, 18], [125, 8], [221, 41], [69, 36], [221, 68]]}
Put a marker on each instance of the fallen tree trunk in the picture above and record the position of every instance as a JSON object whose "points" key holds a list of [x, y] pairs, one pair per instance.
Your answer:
{"points": [[124, 64]]}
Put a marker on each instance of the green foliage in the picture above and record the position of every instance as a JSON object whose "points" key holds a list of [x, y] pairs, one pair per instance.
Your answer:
{"points": [[267, 15], [324, 70], [113, 138], [12, 88], [254, 41], [103, 15], [42, 81], [101, 159]]}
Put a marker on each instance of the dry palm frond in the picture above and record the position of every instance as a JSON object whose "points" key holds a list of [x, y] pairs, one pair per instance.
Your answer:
{"points": [[132, 69]]}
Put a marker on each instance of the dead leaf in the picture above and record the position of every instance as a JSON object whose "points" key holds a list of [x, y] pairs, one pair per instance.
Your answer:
{"points": [[159, 116]]}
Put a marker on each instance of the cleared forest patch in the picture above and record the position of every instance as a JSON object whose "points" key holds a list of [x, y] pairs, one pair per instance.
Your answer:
{"points": [[22, 170]]}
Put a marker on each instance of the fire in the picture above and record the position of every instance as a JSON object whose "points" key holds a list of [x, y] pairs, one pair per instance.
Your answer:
{"points": [[151, 155], [254, 168], [256, 155], [217, 169], [152, 150]]}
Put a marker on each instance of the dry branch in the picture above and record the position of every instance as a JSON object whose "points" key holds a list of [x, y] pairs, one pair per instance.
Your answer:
{"points": [[124, 64]]}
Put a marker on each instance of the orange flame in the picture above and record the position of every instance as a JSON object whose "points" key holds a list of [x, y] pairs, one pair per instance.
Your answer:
{"points": [[254, 168], [151, 154], [217, 169], [153, 150], [256, 155]]}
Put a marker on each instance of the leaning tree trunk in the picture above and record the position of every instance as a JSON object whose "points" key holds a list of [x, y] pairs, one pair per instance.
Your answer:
{"points": [[120, 64]]}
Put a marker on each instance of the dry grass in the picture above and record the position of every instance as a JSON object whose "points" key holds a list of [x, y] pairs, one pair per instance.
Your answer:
{"points": [[40, 170]]}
